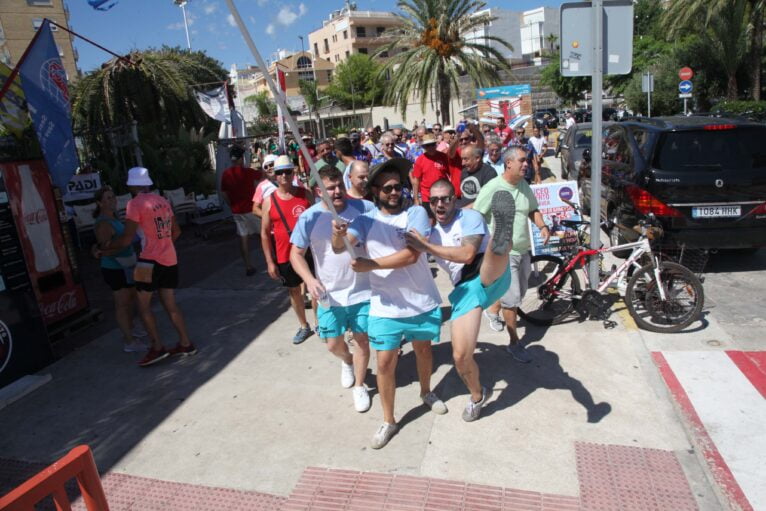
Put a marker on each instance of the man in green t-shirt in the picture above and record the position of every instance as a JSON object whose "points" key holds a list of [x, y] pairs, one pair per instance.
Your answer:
{"points": [[512, 180]]}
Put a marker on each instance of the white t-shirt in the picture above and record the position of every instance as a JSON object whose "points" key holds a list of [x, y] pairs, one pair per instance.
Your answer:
{"points": [[538, 143], [466, 222], [314, 228], [570, 122], [403, 292]]}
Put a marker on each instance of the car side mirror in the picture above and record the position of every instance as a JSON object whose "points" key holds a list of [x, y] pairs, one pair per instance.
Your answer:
{"points": [[586, 155]]}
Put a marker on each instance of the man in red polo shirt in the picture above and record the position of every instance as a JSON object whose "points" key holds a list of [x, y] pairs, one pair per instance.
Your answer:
{"points": [[237, 188], [430, 167]]}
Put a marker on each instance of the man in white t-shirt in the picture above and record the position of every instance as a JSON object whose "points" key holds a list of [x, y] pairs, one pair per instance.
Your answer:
{"points": [[478, 267], [570, 120], [539, 145], [405, 301], [342, 293]]}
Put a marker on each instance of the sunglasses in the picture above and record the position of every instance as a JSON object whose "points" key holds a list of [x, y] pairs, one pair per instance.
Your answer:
{"points": [[389, 188], [283, 172], [465, 139], [388, 145], [445, 199], [268, 166]]}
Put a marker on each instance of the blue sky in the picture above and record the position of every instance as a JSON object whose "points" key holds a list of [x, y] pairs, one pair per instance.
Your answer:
{"points": [[274, 24]]}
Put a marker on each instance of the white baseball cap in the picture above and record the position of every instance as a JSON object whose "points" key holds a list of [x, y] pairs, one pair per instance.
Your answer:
{"points": [[139, 176], [269, 158]]}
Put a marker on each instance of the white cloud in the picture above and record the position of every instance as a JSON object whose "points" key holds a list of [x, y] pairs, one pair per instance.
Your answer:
{"points": [[270, 29], [210, 8], [190, 19], [230, 20], [287, 16]]}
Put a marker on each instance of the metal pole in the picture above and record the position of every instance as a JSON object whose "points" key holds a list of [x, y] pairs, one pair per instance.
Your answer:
{"points": [[289, 118], [597, 11], [685, 106], [186, 26]]}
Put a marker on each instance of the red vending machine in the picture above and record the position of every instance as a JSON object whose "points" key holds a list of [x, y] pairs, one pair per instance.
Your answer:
{"points": [[59, 293]]}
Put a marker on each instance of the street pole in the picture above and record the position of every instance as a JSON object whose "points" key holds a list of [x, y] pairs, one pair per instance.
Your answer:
{"points": [[597, 11], [684, 106], [181, 4]]}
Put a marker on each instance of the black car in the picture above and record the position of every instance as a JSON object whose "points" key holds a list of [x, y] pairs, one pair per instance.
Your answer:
{"points": [[581, 115], [703, 178], [576, 140], [553, 119]]}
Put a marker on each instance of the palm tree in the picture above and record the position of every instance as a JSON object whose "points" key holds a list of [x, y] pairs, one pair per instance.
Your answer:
{"points": [[434, 47], [683, 16], [552, 39]]}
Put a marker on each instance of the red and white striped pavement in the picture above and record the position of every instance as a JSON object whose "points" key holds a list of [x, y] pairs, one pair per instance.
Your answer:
{"points": [[723, 396]]}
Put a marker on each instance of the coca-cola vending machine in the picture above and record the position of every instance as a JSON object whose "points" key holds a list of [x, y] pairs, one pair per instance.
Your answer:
{"points": [[24, 345], [59, 293]]}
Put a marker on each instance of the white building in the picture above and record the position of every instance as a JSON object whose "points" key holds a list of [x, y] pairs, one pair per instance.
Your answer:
{"points": [[507, 26], [536, 26]]}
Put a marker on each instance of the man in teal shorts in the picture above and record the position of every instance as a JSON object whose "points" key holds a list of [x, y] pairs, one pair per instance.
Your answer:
{"points": [[405, 301], [478, 267], [342, 293]]}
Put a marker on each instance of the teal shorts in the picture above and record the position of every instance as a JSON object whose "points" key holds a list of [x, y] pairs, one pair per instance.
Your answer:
{"points": [[471, 294], [334, 321], [386, 333]]}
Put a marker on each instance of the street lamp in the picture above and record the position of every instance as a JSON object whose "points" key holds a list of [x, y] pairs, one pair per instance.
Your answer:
{"points": [[181, 4], [316, 84]]}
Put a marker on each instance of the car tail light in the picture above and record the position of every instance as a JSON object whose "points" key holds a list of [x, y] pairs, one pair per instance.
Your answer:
{"points": [[646, 203], [758, 210], [719, 127]]}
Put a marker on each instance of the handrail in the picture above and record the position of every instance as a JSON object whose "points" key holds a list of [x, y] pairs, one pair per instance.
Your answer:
{"points": [[78, 464]]}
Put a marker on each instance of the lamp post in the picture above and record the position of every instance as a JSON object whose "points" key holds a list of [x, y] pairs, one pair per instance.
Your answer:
{"points": [[181, 4], [316, 86]]}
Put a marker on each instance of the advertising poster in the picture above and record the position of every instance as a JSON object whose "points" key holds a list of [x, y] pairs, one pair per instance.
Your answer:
{"points": [[82, 186], [36, 216], [509, 101], [550, 199]]}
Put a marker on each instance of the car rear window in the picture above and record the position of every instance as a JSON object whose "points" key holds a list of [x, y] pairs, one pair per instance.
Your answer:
{"points": [[582, 138], [739, 148]]}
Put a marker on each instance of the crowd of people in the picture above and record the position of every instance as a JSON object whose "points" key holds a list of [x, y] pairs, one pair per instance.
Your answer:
{"points": [[356, 236]]}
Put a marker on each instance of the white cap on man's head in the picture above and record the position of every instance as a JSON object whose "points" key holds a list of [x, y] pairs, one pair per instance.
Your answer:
{"points": [[269, 158], [139, 176]]}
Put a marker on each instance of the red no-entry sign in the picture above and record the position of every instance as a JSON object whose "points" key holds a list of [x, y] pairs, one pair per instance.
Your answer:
{"points": [[685, 73]]}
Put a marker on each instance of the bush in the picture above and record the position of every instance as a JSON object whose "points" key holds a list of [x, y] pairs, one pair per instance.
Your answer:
{"points": [[755, 110]]}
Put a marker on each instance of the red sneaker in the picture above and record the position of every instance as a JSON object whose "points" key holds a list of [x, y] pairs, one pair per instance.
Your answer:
{"points": [[153, 356], [184, 351]]}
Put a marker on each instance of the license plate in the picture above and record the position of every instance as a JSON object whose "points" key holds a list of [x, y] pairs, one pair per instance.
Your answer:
{"points": [[716, 211]]}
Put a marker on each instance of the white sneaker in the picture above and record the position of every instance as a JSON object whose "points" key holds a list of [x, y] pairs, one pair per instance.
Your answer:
{"points": [[434, 403], [135, 346], [361, 399], [347, 375], [383, 435], [496, 323]]}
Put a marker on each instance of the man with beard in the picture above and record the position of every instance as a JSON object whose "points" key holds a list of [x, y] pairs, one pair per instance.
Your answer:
{"points": [[478, 268], [405, 300]]}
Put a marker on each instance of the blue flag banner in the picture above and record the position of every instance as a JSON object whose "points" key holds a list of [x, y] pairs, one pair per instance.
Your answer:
{"points": [[100, 5], [45, 86]]}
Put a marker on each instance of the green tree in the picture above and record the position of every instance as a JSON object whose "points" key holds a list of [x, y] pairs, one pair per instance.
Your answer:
{"points": [[265, 106], [665, 96], [569, 88], [310, 95], [647, 15], [355, 82], [552, 39], [433, 49]]}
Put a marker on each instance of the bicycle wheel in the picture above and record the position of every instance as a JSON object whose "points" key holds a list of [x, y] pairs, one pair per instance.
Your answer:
{"points": [[546, 302], [683, 292]]}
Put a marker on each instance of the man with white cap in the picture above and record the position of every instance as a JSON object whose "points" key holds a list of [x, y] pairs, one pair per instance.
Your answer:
{"points": [[266, 187], [281, 210], [430, 167], [157, 268], [237, 189]]}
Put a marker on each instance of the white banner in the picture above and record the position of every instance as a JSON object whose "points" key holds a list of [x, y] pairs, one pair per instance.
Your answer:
{"points": [[214, 103], [82, 186], [550, 199]]}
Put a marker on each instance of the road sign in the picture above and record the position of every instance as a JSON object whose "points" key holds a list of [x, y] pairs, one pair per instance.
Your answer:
{"points": [[685, 95], [685, 86], [576, 21], [685, 73], [647, 82]]}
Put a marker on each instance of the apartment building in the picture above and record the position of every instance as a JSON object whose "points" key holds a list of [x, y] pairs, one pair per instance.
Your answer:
{"points": [[537, 25], [298, 66], [20, 19], [348, 31], [506, 25]]}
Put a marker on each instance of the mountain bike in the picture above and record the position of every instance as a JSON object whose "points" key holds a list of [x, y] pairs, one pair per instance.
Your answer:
{"points": [[661, 296]]}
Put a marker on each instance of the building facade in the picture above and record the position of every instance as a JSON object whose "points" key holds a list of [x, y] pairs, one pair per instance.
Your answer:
{"points": [[537, 25], [507, 26], [20, 19], [349, 31], [296, 67]]}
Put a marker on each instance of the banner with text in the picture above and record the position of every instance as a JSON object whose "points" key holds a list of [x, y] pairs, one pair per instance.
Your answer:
{"points": [[550, 199]]}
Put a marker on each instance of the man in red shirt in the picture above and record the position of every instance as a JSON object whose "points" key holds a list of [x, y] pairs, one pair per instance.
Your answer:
{"points": [[430, 167], [237, 188], [504, 131]]}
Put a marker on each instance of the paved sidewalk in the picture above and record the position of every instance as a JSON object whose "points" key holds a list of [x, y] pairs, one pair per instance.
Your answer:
{"points": [[251, 411]]}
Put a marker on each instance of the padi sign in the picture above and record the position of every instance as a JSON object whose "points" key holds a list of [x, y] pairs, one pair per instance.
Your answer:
{"points": [[83, 186]]}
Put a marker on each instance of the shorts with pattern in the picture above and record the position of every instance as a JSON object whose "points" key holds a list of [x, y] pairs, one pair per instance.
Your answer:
{"points": [[386, 333], [472, 293], [334, 321]]}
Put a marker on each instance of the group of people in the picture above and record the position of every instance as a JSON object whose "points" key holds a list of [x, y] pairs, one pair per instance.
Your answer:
{"points": [[361, 249]]}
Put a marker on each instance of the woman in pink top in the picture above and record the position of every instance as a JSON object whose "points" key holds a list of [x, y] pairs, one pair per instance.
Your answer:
{"points": [[157, 268]]}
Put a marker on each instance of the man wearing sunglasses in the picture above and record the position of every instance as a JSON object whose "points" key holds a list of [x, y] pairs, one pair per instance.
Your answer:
{"points": [[478, 268], [343, 294], [405, 300], [469, 136], [266, 187]]}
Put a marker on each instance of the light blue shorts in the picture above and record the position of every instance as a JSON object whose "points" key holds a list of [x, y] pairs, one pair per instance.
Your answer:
{"points": [[334, 321], [386, 333], [471, 294]]}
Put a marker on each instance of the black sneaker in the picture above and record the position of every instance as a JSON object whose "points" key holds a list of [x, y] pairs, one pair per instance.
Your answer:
{"points": [[503, 210]]}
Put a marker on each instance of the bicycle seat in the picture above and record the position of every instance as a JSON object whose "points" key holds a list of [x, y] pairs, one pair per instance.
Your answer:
{"points": [[573, 224]]}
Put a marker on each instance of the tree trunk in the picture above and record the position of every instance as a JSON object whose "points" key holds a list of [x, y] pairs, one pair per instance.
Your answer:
{"points": [[444, 99], [756, 52], [731, 86]]}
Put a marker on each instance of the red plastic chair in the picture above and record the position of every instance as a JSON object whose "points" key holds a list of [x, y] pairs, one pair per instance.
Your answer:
{"points": [[77, 464]]}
